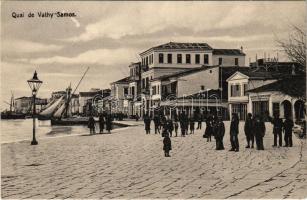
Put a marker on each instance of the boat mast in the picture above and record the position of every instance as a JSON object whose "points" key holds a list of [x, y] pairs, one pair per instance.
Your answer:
{"points": [[69, 97]]}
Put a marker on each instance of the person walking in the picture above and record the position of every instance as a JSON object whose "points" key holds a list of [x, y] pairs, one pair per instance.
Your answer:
{"points": [[137, 117], [277, 129], [101, 123], [209, 128], [91, 125], [199, 121], [167, 145], [156, 121], [176, 127], [234, 131], [287, 126], [259, 130], [147, 122], [248, 129], [219, 130], [109, 123], [192, 125]]}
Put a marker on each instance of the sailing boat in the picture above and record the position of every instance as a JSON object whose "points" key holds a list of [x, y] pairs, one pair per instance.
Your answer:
{"points": [[12, 113], [60, 111], [51, 108]]}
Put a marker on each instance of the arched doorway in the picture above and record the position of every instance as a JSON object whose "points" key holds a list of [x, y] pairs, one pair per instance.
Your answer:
{"points": [[299, 108], [287, 107]]}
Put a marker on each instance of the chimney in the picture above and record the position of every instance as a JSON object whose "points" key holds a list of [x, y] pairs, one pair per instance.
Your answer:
{"points": [[241, 49]]}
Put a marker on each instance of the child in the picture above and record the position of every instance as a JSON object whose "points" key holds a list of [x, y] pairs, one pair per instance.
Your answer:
{"points": [[167, 145], [176, 127]]}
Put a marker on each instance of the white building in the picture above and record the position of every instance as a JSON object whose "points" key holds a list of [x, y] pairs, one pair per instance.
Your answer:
{"points": [[172, 58], [286, 97], [238, 84]]}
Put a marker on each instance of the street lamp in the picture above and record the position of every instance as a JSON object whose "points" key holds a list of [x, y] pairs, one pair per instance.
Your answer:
{"points": [[34, 84]]}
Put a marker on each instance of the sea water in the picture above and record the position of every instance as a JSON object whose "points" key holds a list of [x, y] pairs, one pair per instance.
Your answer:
{"points": [[22, 129]]}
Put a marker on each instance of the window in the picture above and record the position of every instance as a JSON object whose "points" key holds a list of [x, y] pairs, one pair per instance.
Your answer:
{"points": [[147, 82], [235, 90], [146, 60], [220, 61], [125, 91], [179, 58], [158, 89], [245, 88], [236, 61], [169, 58], [206, 59], [197, 58], [188, 58], [154, 90], [152, 58], [132, 91], [143, 83], [161, 58]]}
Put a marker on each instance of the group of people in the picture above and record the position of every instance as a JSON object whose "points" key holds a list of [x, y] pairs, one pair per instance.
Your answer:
{"points": [[105, 122], [254, 128], [165, 125]]}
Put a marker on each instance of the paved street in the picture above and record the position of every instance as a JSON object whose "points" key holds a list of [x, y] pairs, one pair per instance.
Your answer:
{"points": [[130, 164]]}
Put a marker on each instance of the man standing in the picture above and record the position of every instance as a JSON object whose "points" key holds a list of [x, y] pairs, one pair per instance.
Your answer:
{"points": [[199, 120], [234, 131], [259, 130], [109, 123], [248, 129], [192, 124], [91, 125], [288, 125], [101, 123], [170, 126], [156, 121], [277, 130], [147, 121]]}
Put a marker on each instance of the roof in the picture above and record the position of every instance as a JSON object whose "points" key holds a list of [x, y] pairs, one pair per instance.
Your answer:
{"points": [[90, 93], [23, 98], [123, 80], [182, 73], [227, 71], [294, 86], [181, 46], [231, 52], [211, 94]]}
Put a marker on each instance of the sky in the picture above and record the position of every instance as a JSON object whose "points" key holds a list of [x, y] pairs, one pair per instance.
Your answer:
{"points": [[108, 36]]}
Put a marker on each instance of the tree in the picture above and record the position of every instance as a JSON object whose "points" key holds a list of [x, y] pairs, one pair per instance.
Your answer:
{"points": [[295, 46]]}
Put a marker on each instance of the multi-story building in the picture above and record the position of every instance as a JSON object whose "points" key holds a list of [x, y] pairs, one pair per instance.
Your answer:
{"points": [[263, 72], [172, 58], [146, 84], [118, 101]]}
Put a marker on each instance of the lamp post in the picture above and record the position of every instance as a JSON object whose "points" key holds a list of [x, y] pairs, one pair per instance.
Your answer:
{"points": [[34, 84]]}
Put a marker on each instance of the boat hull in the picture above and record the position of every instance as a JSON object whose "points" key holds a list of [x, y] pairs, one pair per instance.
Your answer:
{"points": [[69, 121], [12, 116]]}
